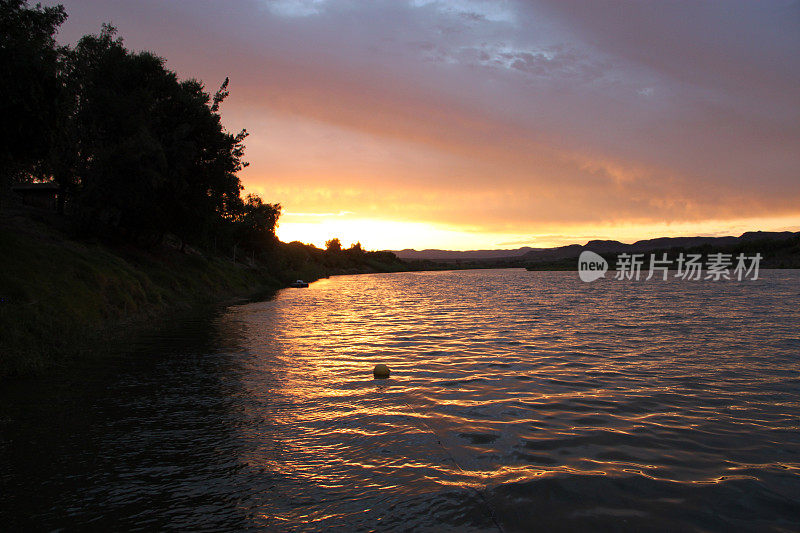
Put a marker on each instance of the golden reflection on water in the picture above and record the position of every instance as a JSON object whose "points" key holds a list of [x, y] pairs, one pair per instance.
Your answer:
{"points": [[501, 379]]}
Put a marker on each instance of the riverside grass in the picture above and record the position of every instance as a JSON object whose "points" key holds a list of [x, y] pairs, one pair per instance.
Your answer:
{"points": [[59, 297]]}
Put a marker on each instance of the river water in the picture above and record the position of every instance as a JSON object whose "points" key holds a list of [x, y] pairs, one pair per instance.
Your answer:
{"points": [[518, 401]]}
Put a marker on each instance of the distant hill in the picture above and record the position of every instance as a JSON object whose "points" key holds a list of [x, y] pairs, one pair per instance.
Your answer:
{"points": [[661, 243], [457, 255], [527, 256]]}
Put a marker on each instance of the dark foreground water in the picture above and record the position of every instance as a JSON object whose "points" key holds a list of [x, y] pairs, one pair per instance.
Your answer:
{"points": [[518, 401]]}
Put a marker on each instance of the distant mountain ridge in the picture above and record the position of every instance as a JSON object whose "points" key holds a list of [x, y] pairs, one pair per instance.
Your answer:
{"points": [[534, 255], [660, 243]]}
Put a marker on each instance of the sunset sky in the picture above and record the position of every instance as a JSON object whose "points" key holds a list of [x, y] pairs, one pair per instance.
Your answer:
{"points": [[475, 124]]}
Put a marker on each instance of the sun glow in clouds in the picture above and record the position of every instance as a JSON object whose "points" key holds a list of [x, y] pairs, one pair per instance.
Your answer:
{"points": [[373, 234], [380, 234]]}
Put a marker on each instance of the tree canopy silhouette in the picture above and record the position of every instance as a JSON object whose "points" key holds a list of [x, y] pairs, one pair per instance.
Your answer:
{"points": [[150, 152], [139, 152], [30, 88], [333, 245]]}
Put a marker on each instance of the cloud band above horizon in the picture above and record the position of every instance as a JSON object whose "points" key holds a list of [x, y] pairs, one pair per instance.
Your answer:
{"points": [[499, 120]]}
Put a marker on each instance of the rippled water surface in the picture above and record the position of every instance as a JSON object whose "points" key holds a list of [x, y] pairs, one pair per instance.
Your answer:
{"points": [[518, 401]]}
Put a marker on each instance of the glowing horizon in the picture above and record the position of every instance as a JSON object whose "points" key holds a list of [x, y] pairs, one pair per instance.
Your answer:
{"points": [[376, 234]]}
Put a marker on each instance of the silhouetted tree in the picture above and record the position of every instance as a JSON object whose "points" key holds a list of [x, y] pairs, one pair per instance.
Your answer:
{"points": [[120, 164], [30, 87], [151, 154], [333, 245], [256, 223], [355, 249], [141, 152], [204, 159]]}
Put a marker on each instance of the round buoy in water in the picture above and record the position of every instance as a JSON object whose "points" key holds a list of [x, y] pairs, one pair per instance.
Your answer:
{"points": [[381, 372]]}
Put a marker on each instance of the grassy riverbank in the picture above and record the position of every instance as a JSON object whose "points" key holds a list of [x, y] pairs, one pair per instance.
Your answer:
{"points": [[61, 297]]}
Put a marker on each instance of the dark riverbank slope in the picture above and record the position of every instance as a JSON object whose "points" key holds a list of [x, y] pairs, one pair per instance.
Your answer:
{"points": [[60, 297]]}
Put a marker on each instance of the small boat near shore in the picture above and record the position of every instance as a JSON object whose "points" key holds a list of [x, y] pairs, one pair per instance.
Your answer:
{"points": [[299, 284]]}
